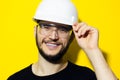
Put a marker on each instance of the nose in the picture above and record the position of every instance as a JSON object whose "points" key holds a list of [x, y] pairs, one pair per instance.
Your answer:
{"points": [[54, 35]]}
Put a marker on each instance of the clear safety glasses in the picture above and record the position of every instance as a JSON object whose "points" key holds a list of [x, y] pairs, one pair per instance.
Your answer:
{"points": [[46, 28]]}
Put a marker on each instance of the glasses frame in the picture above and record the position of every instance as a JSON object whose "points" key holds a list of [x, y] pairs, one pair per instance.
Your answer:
{"points": [[54, 24]]}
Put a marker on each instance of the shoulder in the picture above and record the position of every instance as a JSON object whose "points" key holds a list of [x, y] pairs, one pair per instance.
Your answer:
{"points": [[18, 75], [78, 67], [82, 71]]}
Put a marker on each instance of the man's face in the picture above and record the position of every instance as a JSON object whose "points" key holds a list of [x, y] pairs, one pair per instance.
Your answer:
{"points": [[52, 41]]}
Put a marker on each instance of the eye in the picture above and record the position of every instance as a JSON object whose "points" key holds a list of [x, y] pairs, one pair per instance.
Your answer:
{"points": [[45, 26], [63, 29]]}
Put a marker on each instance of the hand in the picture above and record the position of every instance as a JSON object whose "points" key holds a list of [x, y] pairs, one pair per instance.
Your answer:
{"points": [[86, 36]]}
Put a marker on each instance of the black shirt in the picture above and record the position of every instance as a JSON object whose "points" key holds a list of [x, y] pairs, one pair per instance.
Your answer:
{"points": [[71, 72]]}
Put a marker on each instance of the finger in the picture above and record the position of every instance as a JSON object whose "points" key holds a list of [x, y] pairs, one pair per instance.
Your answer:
{"points": [[85, 30], [77, 26], [92, 30], [81, 30]]}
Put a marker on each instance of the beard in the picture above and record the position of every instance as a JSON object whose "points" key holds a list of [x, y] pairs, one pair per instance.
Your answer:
{"points": [[52, 58]]}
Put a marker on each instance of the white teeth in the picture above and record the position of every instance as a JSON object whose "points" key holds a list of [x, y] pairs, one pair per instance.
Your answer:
{"points": [[48, 44]]}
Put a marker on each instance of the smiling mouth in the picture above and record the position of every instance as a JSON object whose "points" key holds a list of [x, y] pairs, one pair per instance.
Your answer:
{"points": [[52, 45]]}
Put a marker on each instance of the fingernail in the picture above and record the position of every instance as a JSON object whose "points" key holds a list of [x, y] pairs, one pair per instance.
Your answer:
{"points": [[75, 24]]}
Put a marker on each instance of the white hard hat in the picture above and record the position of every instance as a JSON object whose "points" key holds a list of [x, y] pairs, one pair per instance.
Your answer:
{"points": [[60, 11]]}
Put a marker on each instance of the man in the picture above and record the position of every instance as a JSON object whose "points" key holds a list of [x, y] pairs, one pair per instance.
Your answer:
{"points": [[57, 25]]}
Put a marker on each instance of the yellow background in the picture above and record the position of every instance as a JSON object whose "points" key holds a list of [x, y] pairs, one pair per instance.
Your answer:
{"points": [[17, 43]]}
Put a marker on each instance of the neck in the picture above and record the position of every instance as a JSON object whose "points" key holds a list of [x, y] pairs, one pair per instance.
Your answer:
{"points": [[44, 68]]}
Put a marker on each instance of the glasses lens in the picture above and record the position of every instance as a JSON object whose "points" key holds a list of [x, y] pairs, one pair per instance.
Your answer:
{"points": [[47, 28]]}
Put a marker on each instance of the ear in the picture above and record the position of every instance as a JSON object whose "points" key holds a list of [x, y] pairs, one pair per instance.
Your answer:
{"points": [[72, 37], [35, 30]]}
